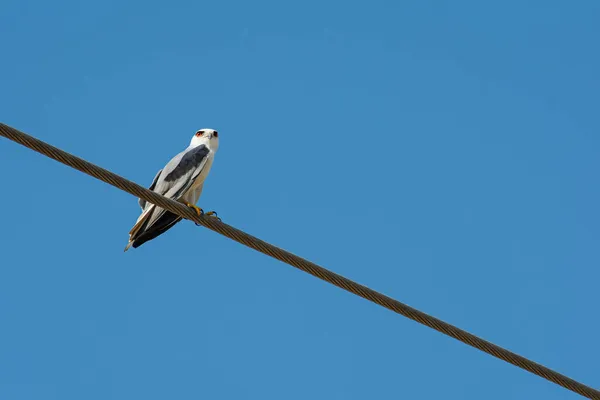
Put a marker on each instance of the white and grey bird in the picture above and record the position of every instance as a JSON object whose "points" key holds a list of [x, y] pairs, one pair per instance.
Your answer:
{"points": [[182, 179]]}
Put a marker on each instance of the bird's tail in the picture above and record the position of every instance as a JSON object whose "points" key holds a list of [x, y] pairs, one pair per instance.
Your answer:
{"points": [[138, 225]]}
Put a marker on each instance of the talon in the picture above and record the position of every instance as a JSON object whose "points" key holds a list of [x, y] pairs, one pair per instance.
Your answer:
{"points": [[213, 214], [199, 211]]}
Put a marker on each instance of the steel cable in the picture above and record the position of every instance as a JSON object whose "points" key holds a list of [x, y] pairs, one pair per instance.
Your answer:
{"points": [[296, 261]]}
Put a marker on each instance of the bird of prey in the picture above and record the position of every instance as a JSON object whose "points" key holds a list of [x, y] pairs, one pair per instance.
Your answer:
{"points": [[182, 179]]}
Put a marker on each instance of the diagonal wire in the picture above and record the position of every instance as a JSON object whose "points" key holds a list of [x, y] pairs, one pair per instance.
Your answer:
{"points": [[298, 262]]}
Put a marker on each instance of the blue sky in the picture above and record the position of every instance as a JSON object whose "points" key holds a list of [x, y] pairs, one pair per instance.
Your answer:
{"points": [[444, 153]]}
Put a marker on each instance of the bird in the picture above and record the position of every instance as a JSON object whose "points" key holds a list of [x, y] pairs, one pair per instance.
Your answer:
{"points": [[182, 179]]}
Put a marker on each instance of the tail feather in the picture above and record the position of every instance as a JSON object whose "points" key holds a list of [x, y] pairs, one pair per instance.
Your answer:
{"points": [[128, 245], [141, 219], [141, 222], [165, 222], [150, 224]]}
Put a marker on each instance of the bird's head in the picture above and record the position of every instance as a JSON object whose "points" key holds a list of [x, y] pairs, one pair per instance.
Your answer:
{"points": [[208, 137]]}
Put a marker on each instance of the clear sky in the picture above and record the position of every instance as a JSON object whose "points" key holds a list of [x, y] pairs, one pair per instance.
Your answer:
{"points": [[443, 153]]}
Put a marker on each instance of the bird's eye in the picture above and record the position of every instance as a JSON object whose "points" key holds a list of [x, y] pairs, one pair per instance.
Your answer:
{"points": [[199, 133], [216, 134]]}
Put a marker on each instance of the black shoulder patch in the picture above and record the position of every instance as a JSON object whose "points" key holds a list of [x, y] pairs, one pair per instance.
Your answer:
{"points": [[191, 160]]}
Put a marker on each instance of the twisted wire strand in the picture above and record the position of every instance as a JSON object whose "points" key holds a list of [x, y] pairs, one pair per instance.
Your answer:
{"points": [[298, 262]]}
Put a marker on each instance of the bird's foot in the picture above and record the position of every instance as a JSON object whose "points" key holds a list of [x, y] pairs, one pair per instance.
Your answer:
{"points": [[213, 214], [199, 211]]}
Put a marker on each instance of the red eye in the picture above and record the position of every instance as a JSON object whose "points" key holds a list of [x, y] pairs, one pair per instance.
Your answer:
{"points": [[199, 133], [216, 134]]}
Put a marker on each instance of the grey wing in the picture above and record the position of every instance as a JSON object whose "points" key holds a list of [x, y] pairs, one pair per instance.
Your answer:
{"points": [[142, 202], [181, 172], [173, 182]]}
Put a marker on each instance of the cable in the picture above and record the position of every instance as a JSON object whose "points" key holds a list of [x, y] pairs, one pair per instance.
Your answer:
{"points": [[296, 261]]}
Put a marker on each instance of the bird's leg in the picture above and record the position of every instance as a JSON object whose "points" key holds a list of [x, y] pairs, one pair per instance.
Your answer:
{"points": [[199, 211]]}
